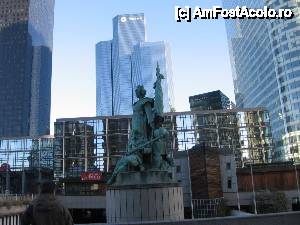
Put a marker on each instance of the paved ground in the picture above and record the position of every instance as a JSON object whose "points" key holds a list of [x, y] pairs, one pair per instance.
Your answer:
{"points": [[289, 218]]}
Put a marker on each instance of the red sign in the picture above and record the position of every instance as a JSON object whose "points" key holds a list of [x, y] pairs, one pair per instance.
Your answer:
{"points": [[90, 176]]}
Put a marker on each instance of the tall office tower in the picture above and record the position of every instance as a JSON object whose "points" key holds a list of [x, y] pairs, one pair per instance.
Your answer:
{"points": [[26, 28], [128, 30], [104, 85], [119, 68], [265, 58], [145, 57]]}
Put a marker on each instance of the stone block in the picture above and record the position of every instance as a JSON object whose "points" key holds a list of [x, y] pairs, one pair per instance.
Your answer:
{"points": [[139, 201]]}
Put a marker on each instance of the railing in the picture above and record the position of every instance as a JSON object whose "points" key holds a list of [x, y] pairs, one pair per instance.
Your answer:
{"points": [[11, 208], [10, 219], [205, 208]]}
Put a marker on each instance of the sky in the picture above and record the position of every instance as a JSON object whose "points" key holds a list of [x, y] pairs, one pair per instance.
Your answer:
{"points": [[199, 50]]}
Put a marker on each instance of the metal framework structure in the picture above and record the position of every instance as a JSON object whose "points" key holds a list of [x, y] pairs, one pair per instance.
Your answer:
{"points": [[90, 144], [23, 159], [96, 143]]}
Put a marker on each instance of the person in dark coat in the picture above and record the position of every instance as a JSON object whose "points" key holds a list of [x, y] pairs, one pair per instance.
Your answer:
{"points": [[46, 209]]}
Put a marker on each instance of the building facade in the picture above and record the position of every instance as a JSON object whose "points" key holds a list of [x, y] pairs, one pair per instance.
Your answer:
{"points": [[24, 163], [128, 30], [26, 29], [213, 100], [104, 85], [102, 141], [208, 174], [84, 152], [145, 58], [120, 68], [265, 58]]}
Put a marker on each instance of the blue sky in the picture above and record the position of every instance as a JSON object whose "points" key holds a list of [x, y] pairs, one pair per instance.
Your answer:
{"points": [[199, 50]]}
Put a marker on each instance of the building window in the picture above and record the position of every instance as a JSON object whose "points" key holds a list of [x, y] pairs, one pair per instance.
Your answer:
{"points": [[178, 169], [229, 183], [228, 166]]}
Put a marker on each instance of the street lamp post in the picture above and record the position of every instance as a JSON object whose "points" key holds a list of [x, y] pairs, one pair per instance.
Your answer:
{"points": [[253, 189], [7, 181], [297, 180]]}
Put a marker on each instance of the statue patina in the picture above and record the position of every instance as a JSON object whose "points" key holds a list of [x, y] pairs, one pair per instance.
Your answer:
{"points": [[147, 146]]}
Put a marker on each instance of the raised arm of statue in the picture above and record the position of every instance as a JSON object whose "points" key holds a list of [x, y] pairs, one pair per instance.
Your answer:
{"points": [[158, 74], [158, 103]]}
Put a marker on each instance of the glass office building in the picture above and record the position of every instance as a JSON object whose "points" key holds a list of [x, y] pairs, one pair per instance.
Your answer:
{"points": [[145, 57], [84, 151], [26, 29], [119, 67], [24, 163], [104, 85], [265, 58], [113, 65], [96, 143], [128, 30]]}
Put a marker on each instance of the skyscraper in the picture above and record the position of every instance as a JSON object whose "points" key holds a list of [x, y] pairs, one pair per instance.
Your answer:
{"points": [[119, 68], [128, 30], [145, 57], [26, 28], [265, 58], [104, 85]]}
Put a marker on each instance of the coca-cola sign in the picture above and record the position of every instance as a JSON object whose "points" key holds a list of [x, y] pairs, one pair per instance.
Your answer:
{"points": [[85, 176]]}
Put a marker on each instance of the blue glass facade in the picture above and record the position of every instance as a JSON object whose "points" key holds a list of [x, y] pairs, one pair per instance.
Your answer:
{"points": [[128, 30], [26, 29], [145, 57], [104, 85], [119, 66], [265, 58]]}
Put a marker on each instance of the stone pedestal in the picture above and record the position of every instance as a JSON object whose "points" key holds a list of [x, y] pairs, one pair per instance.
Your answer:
{"points": [[144, 196]]}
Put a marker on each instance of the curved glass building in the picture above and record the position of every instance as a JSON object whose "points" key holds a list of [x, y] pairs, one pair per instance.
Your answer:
{"points": [[145, 57], [128, 30], [26, 34], [127, 61], [265, 58]]}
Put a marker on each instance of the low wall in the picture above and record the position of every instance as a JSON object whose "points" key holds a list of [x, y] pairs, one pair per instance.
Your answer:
{"points": [[12, 210], [83, 202], [289, 218]]}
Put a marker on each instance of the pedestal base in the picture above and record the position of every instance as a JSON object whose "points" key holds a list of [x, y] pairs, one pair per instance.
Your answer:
{"points": [[136, 202]]}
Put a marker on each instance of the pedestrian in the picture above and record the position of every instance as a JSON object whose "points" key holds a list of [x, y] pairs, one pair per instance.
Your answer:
{"points": [[46, 209]]}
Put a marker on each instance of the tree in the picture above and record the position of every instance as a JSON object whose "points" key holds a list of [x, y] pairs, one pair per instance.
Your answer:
{"points": [[271, 202]]}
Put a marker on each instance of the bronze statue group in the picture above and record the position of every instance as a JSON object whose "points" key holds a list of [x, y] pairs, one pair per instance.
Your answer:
{"points": [[147, 145]]}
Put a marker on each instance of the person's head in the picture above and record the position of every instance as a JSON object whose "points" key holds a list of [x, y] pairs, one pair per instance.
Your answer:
{"points": [[48, 187], [140, 91]]}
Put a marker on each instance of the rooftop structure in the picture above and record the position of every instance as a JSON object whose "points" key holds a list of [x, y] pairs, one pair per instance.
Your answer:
{"points": [[213, 100]]}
